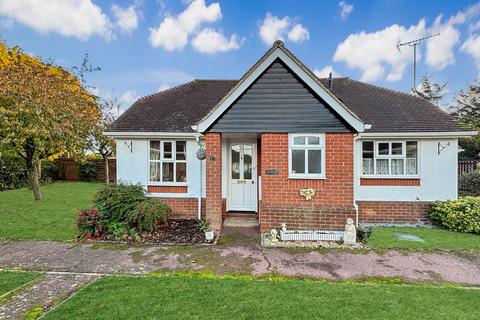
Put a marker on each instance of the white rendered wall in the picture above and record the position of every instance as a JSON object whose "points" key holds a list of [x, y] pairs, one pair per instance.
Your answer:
{"points": [[438, 174], [132, 166]]}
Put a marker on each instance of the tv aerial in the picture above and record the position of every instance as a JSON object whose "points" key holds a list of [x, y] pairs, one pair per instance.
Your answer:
{"points": [[414, 44]]}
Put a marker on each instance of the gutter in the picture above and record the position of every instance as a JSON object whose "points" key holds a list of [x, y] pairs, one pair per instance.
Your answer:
{"points": [[453, 134], [146, 135]]}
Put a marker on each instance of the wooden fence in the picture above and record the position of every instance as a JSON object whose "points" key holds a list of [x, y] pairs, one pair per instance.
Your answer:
{"points": [[70, 168], [467, 166]]}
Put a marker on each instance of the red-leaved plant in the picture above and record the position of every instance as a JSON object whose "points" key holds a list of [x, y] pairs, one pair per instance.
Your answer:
{"points": [[91, 224]]}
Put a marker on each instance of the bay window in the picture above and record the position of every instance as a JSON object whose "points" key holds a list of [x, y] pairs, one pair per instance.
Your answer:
{"points": [[168, 162], [307, 156], [390, 158]]}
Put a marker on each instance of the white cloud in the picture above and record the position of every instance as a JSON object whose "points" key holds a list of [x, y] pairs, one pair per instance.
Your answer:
{"points": [[374, 53], [273, 28], [210, 41], [126, 19], [128, 98], [73, 18], [472, 47], [325, 72], [346, 9], [173, 32], [298, 33]]}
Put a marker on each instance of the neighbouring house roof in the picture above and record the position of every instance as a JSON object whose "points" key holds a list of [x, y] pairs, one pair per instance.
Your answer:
{"points": [[201, 102], [179, 108]]}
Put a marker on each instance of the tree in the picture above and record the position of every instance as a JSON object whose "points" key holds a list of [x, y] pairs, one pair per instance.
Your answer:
{"points": [[45, 110], [100, 143], [467, 111], [430, 90]]}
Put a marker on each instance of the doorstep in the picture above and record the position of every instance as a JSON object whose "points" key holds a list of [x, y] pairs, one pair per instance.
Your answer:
{"points": [[241, 220]]}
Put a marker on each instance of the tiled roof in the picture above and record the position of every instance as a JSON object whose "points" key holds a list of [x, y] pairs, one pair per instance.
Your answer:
{"points": [[177, 109]]}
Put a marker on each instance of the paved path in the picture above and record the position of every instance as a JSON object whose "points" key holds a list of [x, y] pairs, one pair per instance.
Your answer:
{"points": [[241, 257], [44, 294]]}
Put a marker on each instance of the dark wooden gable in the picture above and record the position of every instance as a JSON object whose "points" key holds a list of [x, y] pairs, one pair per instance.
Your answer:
{"points": [[278, 101]]}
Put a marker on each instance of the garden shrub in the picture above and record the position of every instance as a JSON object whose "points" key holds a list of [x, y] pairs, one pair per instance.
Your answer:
{"points": [[147, 215], [91, 223], [459, 215], [469, 183], [119, 199], [88, 172], [117, 229]]}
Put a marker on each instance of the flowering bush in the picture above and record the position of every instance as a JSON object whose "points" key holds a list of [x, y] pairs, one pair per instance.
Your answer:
{"points": [[91, 223], [460, 215], [147, 215]]}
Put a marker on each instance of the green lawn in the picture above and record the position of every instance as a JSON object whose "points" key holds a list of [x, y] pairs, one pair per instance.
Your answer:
{"points": [[435, 239], [201, 298], [50, 219], [10, 280]]}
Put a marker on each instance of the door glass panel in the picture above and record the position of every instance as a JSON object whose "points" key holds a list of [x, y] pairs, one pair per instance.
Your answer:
{"points": [[236, 161], [247, 161], [298, 161]]}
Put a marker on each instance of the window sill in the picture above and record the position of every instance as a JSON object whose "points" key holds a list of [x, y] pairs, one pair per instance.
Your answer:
{"points": [[309, 177], [397, 182]]}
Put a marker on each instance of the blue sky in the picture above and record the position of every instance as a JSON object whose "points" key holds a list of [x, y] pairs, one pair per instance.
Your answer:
{"points": [[146, 46]]}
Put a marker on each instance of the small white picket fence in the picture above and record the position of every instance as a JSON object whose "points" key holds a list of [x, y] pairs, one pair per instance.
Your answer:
{"points": [[311, 235]]}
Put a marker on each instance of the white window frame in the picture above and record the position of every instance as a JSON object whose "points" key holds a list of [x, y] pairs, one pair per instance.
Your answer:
{"points": [[292, 146], [403, 156], [162, 160]]}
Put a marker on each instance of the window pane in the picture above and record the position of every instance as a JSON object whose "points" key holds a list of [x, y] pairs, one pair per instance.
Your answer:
{"points": [[154, 150], [236, 161], [299, 140], [167, 175], [367, 155], [314, 161], [154, 171], [313, 140], [411, 162], [180, 150], [382, 166], [397, 148], [298, 161], [181, 174], [247, 161], [397, 166], [167, 150], [383, 148]]}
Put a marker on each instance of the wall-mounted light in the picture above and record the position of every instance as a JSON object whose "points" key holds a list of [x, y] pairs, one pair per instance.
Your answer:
{"points": [[129, 145], [442, 146]]}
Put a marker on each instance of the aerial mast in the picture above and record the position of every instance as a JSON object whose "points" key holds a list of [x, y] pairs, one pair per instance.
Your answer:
{"points": [[414, 44]]}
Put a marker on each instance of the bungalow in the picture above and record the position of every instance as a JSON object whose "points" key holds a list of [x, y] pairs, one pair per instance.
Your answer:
{"points": [[289, 147]]}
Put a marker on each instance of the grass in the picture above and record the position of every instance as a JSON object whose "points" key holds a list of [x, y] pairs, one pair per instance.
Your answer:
{"points": [[50, 219], [10, 280], [435, 239], [178, 297]]}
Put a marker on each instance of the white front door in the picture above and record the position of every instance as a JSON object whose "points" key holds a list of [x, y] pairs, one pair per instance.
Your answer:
{"points": [[242, 177]]}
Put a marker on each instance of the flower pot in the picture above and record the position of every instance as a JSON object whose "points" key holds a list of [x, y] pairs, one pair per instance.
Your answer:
{"points": [[209, 235]]}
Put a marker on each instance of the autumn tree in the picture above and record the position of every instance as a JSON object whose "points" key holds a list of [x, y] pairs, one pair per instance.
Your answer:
{"points": [[430, 90], [45, 110], [467, 111], [98, 142]]}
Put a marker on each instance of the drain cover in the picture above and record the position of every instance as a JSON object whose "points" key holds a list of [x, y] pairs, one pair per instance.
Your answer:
{"points": [[407, 237]]}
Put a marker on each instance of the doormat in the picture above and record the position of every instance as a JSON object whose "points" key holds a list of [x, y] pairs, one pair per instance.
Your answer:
{"points": [[407, 237]]}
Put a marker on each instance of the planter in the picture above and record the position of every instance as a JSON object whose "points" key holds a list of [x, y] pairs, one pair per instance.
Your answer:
{"points": [[209, 235]]}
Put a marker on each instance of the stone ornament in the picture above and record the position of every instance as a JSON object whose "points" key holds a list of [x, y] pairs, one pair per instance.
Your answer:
{"points": [[284, 227], [350, 234], [307, 193], [273, 235], [201, 153]]}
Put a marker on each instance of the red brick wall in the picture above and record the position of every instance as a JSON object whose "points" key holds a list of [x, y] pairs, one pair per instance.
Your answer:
{"points": [[183, 207], [167, 189], [213, 160], [333, 200], [411, 212], [389, 182]]}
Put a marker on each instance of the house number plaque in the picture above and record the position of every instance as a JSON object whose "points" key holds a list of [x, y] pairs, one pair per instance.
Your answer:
{"points": [[271, 171]]}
